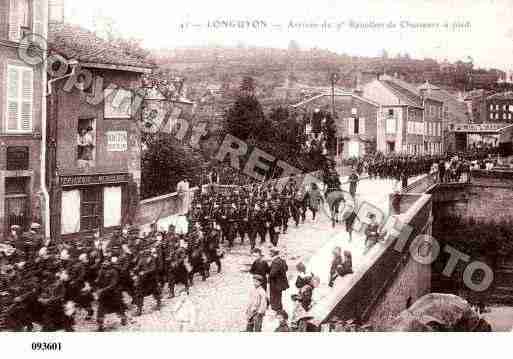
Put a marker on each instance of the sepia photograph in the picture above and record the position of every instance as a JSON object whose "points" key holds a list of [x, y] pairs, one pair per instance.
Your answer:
{"points": [[326, 167]]}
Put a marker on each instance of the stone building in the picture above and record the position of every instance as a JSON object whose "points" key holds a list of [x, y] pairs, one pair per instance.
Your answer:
{"points": [[94, 147], [355, 120], [22, 115], [499, 108], [410, 119]]}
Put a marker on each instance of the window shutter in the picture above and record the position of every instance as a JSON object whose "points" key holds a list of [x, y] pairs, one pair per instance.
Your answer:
{"points": [[40, 10], [13, 100], [27, 99], [362, 125], [14, 21], [350, 126]]}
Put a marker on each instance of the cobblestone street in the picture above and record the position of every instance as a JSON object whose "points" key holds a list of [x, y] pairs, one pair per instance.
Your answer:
{"points": [[221, 300]]}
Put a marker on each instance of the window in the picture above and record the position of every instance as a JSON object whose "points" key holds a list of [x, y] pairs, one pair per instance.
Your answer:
{"points": [[20, 93], [17, 158], [497, 107], [491, 107], [510, 108], [90, 208], [390, 125], [86, 142], [362, 125], [24, 13], [354, 111], [118, 103], [391, 112], [491, 116], [16, 201], [356, 125]]}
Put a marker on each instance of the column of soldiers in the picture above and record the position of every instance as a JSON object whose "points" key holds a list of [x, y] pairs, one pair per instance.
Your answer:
{"points": [[253, 212], [50, 284], [394, 166]]}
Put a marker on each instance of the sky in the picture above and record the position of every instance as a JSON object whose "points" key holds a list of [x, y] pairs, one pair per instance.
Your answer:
{"points": [[483, 31]]}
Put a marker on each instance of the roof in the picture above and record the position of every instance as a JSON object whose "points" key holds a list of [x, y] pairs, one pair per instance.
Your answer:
{"points": [[408, 93], [405, 95], [304, 102], [501, 96], [75, 42]]}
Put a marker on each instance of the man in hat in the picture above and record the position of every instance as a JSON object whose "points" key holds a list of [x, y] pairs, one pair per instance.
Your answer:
{"points": [[278, 281], [257, 306]]}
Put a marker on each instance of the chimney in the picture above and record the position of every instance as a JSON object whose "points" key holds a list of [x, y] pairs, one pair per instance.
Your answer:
{"points": [[56, 11]]}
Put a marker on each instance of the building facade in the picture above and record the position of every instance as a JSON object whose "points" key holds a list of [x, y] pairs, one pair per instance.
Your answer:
{"points": [[410, 120], [355, 120], [22, 111], [94, 135], [499, 108]]}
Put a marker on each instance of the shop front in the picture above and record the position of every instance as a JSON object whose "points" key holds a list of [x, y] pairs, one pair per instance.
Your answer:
{"points": [[91, 202], [484, 136]]}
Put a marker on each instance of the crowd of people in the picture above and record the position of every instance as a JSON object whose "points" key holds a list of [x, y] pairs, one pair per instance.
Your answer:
{"points": [[49, 284]]}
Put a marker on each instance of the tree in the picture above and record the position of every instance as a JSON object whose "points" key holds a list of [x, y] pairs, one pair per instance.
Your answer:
{"points": [[164, 162], [245, 118], [247, 86]]}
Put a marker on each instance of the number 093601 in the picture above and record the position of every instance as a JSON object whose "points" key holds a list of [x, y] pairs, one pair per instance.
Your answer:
{"points": [[41, 346]]}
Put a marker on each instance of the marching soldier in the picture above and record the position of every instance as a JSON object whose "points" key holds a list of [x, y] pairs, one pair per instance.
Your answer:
{"points": [[78, 290], [242, 216], [109, 294], [274, 222], [146, 280]]}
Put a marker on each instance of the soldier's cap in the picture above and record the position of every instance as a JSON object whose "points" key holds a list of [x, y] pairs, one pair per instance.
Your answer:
{"points": [[259, 278], [35, 226], [15, 226]]}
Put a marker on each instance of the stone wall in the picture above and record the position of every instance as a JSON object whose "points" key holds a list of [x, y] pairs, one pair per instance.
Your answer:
{"points": [[412, 282], [381, 286], [488, 196]]}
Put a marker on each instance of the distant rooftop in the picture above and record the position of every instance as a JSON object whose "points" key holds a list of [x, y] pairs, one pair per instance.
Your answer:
{"points": [[75, 42]]}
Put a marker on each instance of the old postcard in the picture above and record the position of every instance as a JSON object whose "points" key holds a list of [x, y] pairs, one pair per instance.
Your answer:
{"points": [[256, 166]]}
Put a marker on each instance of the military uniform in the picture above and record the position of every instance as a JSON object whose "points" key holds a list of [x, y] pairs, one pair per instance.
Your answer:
{"points": [[110, 299]]}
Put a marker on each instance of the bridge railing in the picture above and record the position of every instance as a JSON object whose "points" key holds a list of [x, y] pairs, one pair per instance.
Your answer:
{"points": [[355, 296]]}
